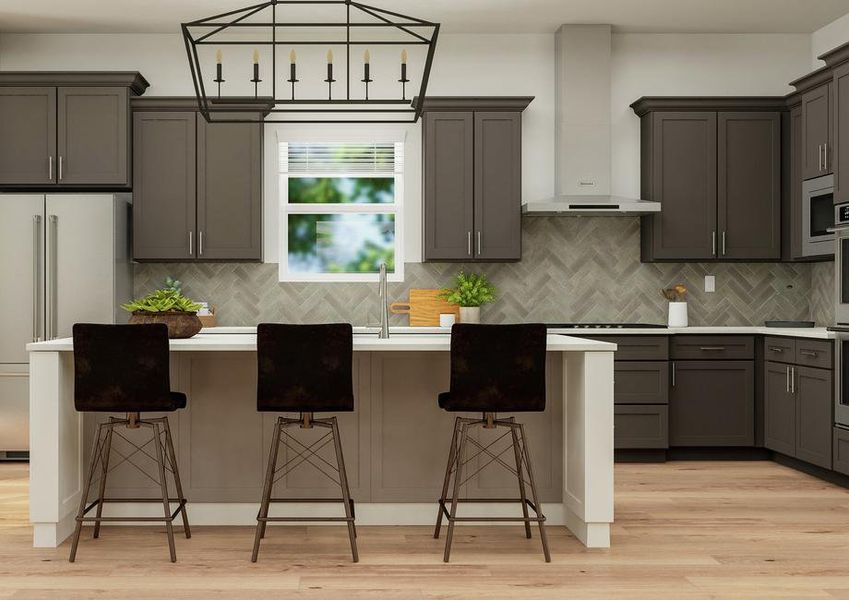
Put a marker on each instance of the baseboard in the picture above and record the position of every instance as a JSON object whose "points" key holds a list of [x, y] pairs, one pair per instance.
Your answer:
{"points": [[14, 455], [729, 453], [640, 456], [813, 470]]}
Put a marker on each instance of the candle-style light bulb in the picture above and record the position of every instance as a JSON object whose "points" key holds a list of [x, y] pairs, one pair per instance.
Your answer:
{"points": [[329, 56], [292, 68], [404, 57], [218, 56], [256, 56], [292, 56], [256, 71], [366, 57]]}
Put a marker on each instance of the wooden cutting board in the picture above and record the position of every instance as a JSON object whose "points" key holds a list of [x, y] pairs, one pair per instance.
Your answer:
{"points": [[424, 308]]}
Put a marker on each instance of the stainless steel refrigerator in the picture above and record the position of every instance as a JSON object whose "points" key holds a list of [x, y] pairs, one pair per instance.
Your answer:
{"points": [[64, 259]]}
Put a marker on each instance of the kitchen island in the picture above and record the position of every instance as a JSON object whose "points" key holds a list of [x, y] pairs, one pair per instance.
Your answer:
{"points": [[396, 441]]}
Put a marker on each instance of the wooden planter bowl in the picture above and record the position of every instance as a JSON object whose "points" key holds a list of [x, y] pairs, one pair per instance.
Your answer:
{"points": [[180, 324]]}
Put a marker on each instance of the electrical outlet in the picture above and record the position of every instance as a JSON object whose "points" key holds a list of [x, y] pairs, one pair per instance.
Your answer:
{"points": [[710, 283]]}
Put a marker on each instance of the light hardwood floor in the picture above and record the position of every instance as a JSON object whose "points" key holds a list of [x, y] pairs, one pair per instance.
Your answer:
{"points": [[683, 530]]}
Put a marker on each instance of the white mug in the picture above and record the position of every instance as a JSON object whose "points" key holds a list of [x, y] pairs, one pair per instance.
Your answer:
{"points": [[447, 319]]}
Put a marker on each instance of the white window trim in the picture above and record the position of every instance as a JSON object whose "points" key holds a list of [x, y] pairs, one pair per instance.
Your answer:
{"points": [[286, 209]]}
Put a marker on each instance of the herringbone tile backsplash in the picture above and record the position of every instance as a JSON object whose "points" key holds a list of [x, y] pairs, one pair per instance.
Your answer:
{"points": [[573, 269]]}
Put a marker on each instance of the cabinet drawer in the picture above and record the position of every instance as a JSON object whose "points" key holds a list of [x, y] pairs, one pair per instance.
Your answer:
{"points": [[780, 349], [841, 450], [707, 347], [637, 347], [813, 353], [640, 426], [644, 382]]}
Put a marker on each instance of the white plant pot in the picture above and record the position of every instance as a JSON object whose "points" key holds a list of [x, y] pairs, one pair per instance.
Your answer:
{"points": [[677, 314], [470, 314]]}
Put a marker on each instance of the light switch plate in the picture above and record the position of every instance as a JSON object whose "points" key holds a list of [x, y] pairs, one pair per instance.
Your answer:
{"points": [[710, 283]]}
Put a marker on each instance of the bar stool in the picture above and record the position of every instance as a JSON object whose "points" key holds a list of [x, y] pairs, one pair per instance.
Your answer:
{"points": [[125, 368], [305, 369], [494, 368]]}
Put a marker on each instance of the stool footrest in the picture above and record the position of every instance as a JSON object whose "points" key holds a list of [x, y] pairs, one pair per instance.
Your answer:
{"points": [[530, 504], [304, 519]]}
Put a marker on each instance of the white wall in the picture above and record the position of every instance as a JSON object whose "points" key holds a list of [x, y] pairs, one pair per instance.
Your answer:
{"points": [[827, 38], [521, 64], [692, 64]]}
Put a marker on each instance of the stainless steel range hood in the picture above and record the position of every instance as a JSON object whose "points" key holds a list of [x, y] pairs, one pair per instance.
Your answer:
{"points": [[606, 206], [582, 147]]}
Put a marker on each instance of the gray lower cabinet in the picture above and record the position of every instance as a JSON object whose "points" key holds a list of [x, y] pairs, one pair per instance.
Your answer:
{"points": [[28, 131], [197, 187], [164, 186], [779, 409], [640, 427], [813, 389], [472, 178], [641, 382], [711, 403], [840, 450]]}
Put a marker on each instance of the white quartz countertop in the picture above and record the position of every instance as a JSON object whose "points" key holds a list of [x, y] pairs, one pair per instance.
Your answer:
{"points": [[803, 332], [231, 341]]}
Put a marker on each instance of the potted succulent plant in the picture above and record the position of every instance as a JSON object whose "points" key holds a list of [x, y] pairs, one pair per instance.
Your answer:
{"points": [[167, 306], [470, 292]]}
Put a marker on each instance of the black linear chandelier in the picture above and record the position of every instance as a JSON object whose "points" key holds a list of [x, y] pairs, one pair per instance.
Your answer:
{"points": [[271, 35]]}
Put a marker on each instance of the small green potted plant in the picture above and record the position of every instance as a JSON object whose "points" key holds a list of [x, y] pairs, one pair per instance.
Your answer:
{"points": [[168, 306], [470, 292]]}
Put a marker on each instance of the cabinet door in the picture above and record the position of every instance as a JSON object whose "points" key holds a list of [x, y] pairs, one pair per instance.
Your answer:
{"points": [[840, 133], [683, 177], [28, 131], [93, 132], [164, 171], [14, 404], [749, 185], [229, 180], [779, 409], [640, 426], [642, 382], [498, 186], [816, 132], [814, 394], [448, 185], [712, 403]]}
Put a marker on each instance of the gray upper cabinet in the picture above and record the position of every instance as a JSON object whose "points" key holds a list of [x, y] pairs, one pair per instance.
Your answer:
{"points": [[93, 136], [67, 129], [197, 186], [498, 186], [840, 128], [448, 148], [714, 164], [229, 190], [816, 132], [472, 178], [749, 185], [28, 119], [164, 157]]}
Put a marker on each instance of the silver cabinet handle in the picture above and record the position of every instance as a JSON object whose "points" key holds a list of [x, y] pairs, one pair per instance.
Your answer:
{"points": [[819, 157], [469, 243], [811, 353], [36, 272], [50, 287], [776, 349], [787, 379], [825, 157], [50, 167], [713, 243], [60, 168], [479, 242], [792, 380], [673, 374], [200, 243], [191, 244], [723, 243], [711, 348]]}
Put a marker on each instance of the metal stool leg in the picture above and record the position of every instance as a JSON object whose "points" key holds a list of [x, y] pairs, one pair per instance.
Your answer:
{"points": [[266, 488], [172, 458], [455, 496], [518, 454], [84, 494], [104, 459], [537, 505], [448, 468], [346, 493], [160, 460]]}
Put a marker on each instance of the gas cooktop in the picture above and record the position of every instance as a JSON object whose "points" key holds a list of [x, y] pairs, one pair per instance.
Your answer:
{"points": [[604, 326]]}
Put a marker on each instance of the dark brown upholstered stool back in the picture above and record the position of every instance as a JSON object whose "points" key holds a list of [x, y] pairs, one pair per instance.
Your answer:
{"points": [[123, 368], [496, 368], [305, 368]]}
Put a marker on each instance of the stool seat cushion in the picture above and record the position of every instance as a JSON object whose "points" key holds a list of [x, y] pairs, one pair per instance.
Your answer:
{"points": [[496, 368], [123, 368], [305, 368]]}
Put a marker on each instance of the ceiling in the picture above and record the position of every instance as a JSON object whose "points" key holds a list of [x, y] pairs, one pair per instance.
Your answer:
{"points": [[456, 16]]}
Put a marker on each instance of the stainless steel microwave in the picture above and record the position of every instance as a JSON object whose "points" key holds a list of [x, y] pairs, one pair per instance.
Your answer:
{"points": [[818, 216]]}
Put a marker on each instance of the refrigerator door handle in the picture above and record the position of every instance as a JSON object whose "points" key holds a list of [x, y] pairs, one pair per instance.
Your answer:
{"points": [[36, 275], [50, 287]]}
